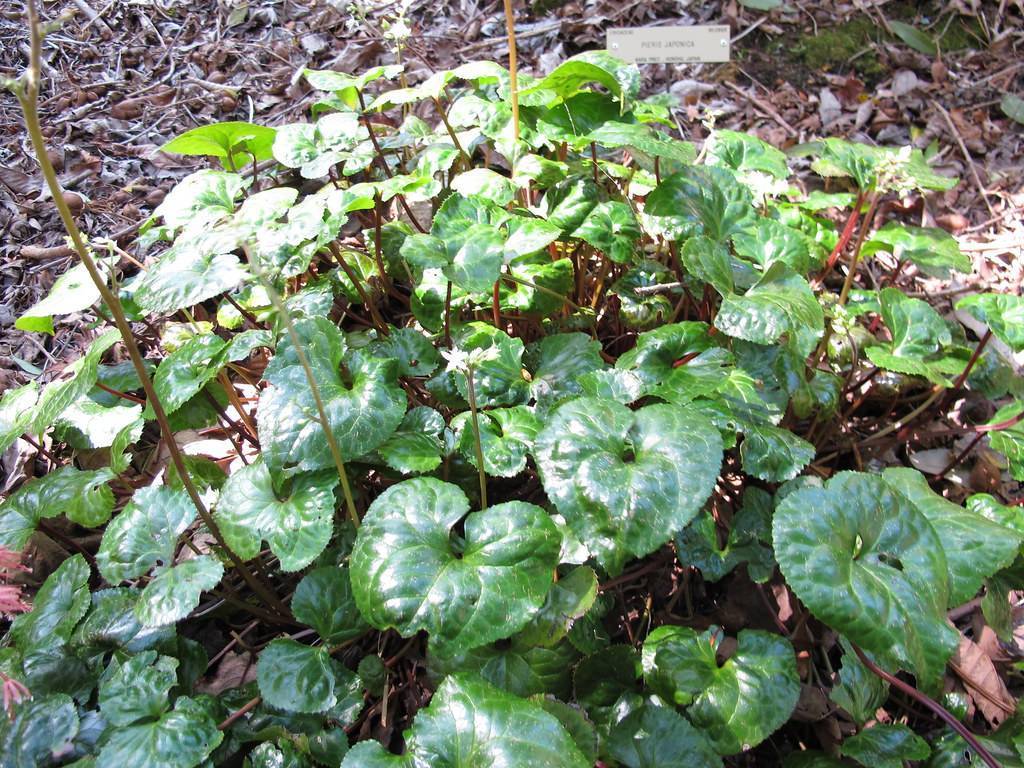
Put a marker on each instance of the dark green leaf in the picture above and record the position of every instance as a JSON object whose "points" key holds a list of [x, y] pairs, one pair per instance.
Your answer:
{"points": [[626, 481], [865, 561], [58, 606], [858, 690], [621, 79], [415, 447], [657, 737], [506, 436], [515, 666], [175, 592], [1003, 313], [137, 689], [297, 525], [144, 534], [701, 200], [773, 453], [744, 153], [611, 227], [324, 601], [300, 678], [498, 379], [409, 573], [182, 738], [934, 250], [81, 495], [41, 728], [470, 724], [885, 746]]}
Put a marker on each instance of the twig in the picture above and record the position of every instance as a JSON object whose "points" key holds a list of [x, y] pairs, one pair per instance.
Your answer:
{"points": [[765, 107], [931, 704], [967, 155]]}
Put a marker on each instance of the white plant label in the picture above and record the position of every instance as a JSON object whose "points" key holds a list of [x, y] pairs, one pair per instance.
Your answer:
{"points": [[670, 45]]}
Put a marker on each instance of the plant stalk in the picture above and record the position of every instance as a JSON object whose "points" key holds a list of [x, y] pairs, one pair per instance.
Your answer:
{"points": [[28, 96], [471, 391]]}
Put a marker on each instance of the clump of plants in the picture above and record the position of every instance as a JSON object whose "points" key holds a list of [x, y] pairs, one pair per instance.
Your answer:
{"points": [[541, 438]]}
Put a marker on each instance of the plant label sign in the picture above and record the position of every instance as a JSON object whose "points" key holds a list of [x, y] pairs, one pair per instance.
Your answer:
{"points": [[670, 45]]}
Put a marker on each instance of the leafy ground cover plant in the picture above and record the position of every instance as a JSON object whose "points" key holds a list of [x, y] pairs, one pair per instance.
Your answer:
{"points": [[513, 395]]}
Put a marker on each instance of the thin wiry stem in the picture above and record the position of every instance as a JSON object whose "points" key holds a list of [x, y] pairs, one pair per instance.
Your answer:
{"points": [[28, 96]]}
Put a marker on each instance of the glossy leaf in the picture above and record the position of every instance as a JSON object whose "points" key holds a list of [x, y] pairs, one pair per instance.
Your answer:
{"points": [[498, 377], [82, 495], [182, 738], [932, 249], [1003, 313], [470, 724], [58, 606], [886, 746], [506, 436], [744, 153], [625, 480], [612, 228], [186, 275], [864, 560], [175, 592], [324, 601], [621, 79], [144, 534], [749, 541], [658, 737], [410, 573], [16, 411], [137, 689], [297, 526], [701, 200], [57, 396], [415, 447], [364, 406], [514, 665], [38, 729], [774, 454], [224, 141], [300, 678]]}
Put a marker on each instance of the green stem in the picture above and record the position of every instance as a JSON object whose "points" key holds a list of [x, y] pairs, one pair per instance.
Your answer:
{"points": [[314, 388], [471, 391], [28, 95]]}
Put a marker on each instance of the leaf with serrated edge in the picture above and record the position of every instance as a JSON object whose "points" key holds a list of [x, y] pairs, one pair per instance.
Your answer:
{"points": [[408, 573], [175, 592], [865, 561]]}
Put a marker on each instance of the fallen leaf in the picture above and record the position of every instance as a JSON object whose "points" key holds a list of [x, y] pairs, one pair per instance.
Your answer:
{"points": [[982, 681]]}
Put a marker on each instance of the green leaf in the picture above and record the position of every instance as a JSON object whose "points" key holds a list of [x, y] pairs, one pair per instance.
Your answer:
{"points": [[224, 141], [709, 262], [73, 291], [41, 728], [621, 79], [701, 200], [175, 592], [568, 600], [885, 746], [476, 264], [144, 535], [137, 688], [626, 481], [975, 547], [297, 525], [111, 624], [498, 377], [918, 334], [485, 183], [1002, 312], [300, 678], [781, 302], [744, 153], [470, 724], [858, 690], [314, 148], [568, 204], [88, 425], [611, 227], [364, 406], [57, 396], [415, 354], [186, 275], [1013, 107], [506, 436], [415, 447], [514, 665], [16, 412], [641, 138], [870, 166], [749, 541], [324, 601], [770, 242], [1009, 439], [188, 369], [58, 606], [576, 722], [914, 37], [933, 250], [83, 496], [557, 362], [677, 362], [738, 704], [410, 573], [866, 562], [774, 454], [182, 738], [654, 737]]}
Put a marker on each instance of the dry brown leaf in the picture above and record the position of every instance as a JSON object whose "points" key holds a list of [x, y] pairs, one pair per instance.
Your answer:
{"points": [[982, 681]]}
